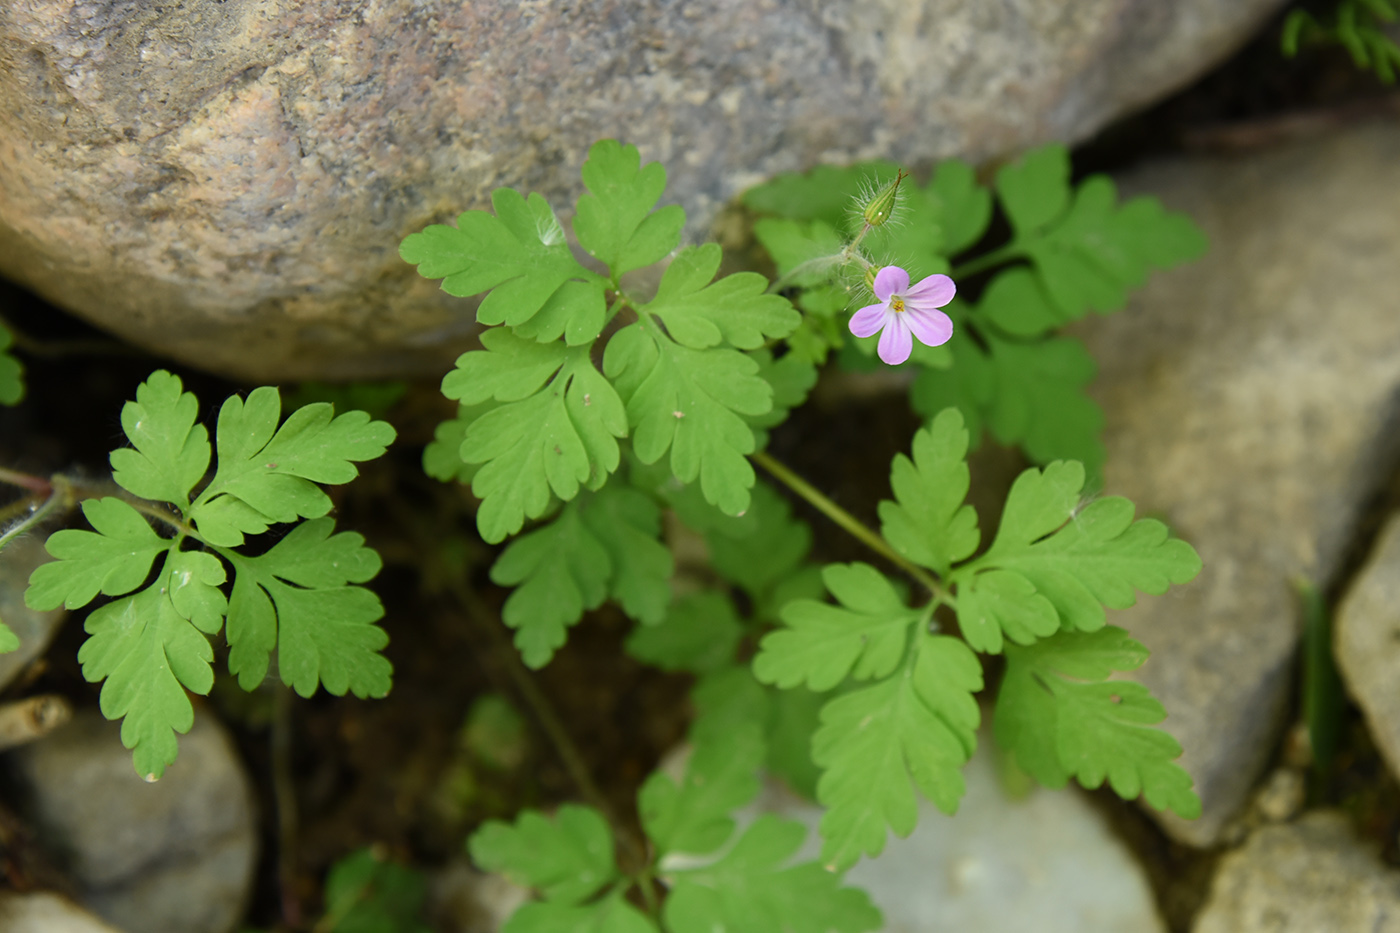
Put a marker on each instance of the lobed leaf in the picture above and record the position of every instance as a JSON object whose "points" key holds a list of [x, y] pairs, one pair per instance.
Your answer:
{"points": [[1054, 565], [568, 859], [700, 313], [520, 256], [614, 221], [691, 403], [1059, 716], [698, 634], [628, 524], [370, 895], [297, 597], [792, 377], [554, 433], [920, 725], [864, 637], [693, 817], [268, 474], [1040, 403], [928, 521], [611, 914], [148, 656], [113, 560], [172, 451], [750, 889]]}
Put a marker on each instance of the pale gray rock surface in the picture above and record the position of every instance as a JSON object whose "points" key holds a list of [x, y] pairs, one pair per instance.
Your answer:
{"points": [[227, 181], [46, 912], [176, 856], [1367, 642], [1251, 401], [1312, 876], [1048, 863], [34, 629]]}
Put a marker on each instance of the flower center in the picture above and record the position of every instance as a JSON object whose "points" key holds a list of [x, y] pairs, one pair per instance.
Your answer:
{"points": [[897, 303]]}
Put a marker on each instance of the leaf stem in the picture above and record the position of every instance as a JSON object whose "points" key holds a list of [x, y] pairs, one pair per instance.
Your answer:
{"points": [[849, 523], [60, 497], [987, 260], [35, 484]]}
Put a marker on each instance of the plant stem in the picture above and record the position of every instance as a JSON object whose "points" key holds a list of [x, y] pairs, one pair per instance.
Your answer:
{"points": [[35, 484], [987, 260], [849, 523]]}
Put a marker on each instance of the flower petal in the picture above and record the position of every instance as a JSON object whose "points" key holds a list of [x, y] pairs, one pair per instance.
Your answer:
{"points": [[895, 343], [869, 320], [932, 292], [933, 328], [890, 280]]}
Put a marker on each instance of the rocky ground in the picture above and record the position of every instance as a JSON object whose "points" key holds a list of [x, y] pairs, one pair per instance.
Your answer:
{"points": [[1252, 401]]}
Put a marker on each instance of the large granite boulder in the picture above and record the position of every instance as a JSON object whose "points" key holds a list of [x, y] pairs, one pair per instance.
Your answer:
{"points": [[226, 181], [1251, 400]]}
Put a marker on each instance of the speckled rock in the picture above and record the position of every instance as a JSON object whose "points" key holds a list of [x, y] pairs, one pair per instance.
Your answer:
{"points": [[1048, 863], [176, 856], [1306, 877], [46, 912], [1367, 642], [226, 181], [1251, 400]]}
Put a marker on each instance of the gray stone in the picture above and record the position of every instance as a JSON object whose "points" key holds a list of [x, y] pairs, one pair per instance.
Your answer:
{"points": [[1306, 877], [226, 181], [34, 629], [1367, 641], [1048, 863], [176, 856], [1251, 399], [46, 912]]}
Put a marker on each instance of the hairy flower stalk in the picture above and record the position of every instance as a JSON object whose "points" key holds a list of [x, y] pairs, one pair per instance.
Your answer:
{"points": [[905, 311]]}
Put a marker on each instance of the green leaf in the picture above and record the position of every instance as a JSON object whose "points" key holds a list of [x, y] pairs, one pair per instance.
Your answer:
{"points": [[9, 641], [699, 313], [612, 914], [266, 477], [1097, 253], [748, 890], [928, 522], [115, 559], [520, 256], [729, 698], [568, 859], [365, 894], [1040, 403], [149, 656], [194, 581], [691, 403], [601, 544], [919, 725], [1016, 302], [694, 816], [560, 570], [805, 253], [791, 377], [554, 433], [822, 644], [297, 598], [172, 452], [614, 221], [1035, 190], [442, 456], [968, 383], [1060, 716], [762, 552], [629, 526], [11, 372], [826, 193], [698, 634], [1054, 565], [965, 207]]}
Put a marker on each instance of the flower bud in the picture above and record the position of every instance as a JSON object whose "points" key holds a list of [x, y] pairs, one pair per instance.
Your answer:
{"points": [[879, 208]]}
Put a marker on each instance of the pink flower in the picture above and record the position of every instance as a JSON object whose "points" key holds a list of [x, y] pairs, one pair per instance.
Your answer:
{"points": [[906, 310]]}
